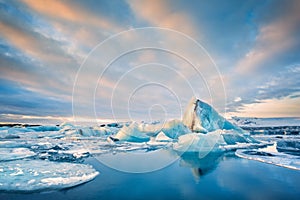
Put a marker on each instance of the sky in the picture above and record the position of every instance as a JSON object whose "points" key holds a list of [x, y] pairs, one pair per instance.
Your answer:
{"points": [[120, 60]]}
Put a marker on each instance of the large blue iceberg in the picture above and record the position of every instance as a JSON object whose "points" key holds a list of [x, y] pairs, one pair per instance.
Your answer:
{"points": [[202, 129]]}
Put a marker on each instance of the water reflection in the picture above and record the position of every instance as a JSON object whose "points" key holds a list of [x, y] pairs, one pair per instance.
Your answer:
{"points": [[200, 166]]}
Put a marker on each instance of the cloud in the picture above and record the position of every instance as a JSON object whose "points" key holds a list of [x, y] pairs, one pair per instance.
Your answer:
{"points": [[274, 39], [70, 12], [17, 67], [42, 45], [163, 14], [277, 89], [16, 99], [284, 107]]}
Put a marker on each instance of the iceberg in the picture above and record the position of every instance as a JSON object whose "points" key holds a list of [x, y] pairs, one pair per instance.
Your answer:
{"points": [[219, 140], [37, 175], [201, 117], [174, 128], [210, 131], [141, 132], [131, 133], [199, 142], [171, 129]]}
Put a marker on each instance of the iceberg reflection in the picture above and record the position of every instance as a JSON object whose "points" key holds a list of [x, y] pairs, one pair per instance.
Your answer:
{"points": [[200, 166]]}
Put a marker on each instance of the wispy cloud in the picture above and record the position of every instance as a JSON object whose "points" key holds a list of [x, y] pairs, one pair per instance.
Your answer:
{"points": [[164, 14], [274, 39]]}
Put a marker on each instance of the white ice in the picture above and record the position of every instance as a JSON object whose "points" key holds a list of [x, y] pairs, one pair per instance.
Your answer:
{"points": [[15, 153], [141, 132], [161, 137], [198, 142], [266, 122], [32, 175], [271, 157]]}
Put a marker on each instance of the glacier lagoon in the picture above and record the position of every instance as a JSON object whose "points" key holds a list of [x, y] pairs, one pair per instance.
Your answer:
{"points": [[201, 156]]}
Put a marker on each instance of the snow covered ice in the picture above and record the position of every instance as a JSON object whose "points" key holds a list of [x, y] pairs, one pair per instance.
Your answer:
{"points": [[7, 154], [271, 156], [32, 175]]}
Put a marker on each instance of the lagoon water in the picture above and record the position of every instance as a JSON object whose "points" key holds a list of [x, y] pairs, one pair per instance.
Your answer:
{"points": [[214, 177]]}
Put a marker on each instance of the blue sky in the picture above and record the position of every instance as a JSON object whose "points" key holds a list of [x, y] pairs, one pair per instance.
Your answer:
{"points": [[254, 43]]}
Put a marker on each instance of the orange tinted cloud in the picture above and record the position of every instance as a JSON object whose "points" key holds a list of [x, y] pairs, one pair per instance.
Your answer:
{"points": [[28, 43], [70, 12], [160, 14], [273, 39]]}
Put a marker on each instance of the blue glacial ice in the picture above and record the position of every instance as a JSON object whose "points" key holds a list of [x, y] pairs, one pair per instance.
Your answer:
{"points": [[201, 117], [141, 132], [201, 129]]}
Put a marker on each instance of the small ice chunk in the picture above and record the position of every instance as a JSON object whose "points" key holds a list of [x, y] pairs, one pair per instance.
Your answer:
{"points": [[15, 153], [161, 137], [36, 175], [270, 148], [132, 133], [289, 146]]}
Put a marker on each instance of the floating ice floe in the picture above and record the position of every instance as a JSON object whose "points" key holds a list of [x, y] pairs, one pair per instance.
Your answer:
{"points": [[7, 154], [270, 155], [70, 130], [36, 175], [289, 146]]}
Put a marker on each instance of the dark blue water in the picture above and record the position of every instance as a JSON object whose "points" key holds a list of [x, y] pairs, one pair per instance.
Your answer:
{"points": [[215, 177]]}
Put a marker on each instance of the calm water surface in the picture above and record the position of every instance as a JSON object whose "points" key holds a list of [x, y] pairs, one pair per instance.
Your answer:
{"points": [[214, 177]]}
